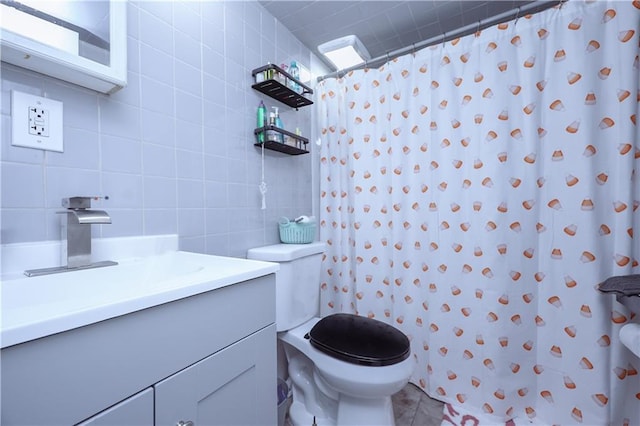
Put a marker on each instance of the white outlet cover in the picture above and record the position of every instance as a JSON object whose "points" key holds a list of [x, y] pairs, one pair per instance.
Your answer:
{"points": [[51, 138]]}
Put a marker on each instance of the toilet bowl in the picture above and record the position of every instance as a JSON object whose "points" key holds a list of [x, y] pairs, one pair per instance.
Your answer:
{"points": [[343, 368], [357, 394]]}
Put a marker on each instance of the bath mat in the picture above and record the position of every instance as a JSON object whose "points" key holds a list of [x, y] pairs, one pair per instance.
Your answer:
{"points": [[455, 416]]}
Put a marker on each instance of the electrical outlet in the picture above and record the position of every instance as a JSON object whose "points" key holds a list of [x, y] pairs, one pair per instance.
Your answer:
{"points": [[36, 122]]}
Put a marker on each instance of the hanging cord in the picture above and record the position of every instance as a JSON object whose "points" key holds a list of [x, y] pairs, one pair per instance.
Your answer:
{"points": [[263, 184]]}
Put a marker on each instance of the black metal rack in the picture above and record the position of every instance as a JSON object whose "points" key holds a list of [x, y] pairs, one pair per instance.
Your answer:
{"points": [[275, 82], [278, 90], [280, 146]]}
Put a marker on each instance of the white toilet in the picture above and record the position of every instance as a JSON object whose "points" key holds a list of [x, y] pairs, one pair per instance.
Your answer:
{"points": [[344, 368]]}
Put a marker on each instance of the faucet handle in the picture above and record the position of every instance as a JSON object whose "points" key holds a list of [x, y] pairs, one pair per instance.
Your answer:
{"points": [[80, 202]]}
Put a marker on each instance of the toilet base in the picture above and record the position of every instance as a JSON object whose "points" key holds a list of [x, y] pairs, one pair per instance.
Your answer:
{"points": [[363, 412], [376, 413], [313, 398], [299, 416]]}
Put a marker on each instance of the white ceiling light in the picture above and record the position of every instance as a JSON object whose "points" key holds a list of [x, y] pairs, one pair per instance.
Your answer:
{"points": [[345, 52]]}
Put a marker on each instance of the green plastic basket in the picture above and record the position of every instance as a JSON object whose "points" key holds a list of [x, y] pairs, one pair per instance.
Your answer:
{"points": [[297, 233]]}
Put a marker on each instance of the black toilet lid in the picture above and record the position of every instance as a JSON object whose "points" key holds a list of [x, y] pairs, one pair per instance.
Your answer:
{"points": [[360, 340]]}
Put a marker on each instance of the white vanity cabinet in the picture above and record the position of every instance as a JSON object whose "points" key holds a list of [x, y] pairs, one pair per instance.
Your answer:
{"points": [[208, 358]]}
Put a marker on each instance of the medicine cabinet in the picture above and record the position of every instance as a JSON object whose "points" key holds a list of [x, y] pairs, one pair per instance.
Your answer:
{"points": [[278, 84], [82, 42]]}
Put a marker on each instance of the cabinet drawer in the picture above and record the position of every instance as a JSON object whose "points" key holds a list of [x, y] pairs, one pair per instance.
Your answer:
{"points": [[235, 386]]}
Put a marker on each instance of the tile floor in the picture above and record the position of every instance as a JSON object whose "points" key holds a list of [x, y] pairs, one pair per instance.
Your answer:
{"points": [[413, 407]]}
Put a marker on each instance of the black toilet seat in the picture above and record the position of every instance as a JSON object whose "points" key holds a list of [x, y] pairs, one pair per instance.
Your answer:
{"points": [[359, 340]]}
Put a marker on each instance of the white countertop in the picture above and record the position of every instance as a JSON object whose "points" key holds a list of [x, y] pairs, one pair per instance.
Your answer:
{"points": [[34, 307]]}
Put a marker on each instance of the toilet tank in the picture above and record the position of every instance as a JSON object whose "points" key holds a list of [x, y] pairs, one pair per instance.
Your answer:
{"points": [[297, 280]]}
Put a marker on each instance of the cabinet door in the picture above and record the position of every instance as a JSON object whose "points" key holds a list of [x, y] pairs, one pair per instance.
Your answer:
{"points": [[134, 411], [235, 386]]}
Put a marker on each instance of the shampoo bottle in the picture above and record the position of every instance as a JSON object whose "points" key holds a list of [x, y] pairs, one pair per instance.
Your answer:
{"points": [[262, 115], [278, 124]]}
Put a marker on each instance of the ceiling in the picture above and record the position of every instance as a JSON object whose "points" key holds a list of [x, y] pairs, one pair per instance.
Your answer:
{"points": [[383, 26]]}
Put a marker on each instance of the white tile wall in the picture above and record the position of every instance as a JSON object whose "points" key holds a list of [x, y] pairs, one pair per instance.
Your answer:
{"points": [[174, 149]]}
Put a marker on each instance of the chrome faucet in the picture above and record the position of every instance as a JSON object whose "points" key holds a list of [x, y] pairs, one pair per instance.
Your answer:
{"points": [[80, 217]]}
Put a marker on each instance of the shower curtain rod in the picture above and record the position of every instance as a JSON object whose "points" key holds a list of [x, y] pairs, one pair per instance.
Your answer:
{"points": [[533, 7]]}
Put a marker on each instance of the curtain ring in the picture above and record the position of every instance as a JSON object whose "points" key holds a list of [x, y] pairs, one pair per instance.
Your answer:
{"points": [[517, 16], [444, 36], [388, 57], [478, 29]]}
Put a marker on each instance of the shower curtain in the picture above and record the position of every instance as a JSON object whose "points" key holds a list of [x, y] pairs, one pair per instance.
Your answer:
{"points": [[474, 193]]}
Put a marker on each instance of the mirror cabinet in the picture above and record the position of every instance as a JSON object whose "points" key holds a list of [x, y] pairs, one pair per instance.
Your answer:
{"points": [[79, 42]]}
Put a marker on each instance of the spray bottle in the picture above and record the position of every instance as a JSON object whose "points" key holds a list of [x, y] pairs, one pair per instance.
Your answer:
{"points": [[278, 124], [262, 116]]}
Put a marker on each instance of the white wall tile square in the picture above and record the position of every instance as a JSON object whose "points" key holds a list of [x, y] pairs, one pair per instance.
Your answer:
{"points": [[159, 9], [184, 18], [119, 119], [160, 192], [158, 160], [124, 190], [155, 31], [187, 48], [188, 135], [190, 194], [189, 164], [191, 222], [188, 78], [22, 185], [157, 127], [188, 107], [23, 225], [81, 150], [156, 96], [64, 182], [215, 168], [160, 221], [156, 64], [121, 154]]}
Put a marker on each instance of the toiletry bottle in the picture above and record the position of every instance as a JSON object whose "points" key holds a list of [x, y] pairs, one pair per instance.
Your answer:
{"points": [[262, 115], [268, 72], [278, 124], [272, 135], [295, 73], [298, 142], [283, 78]]}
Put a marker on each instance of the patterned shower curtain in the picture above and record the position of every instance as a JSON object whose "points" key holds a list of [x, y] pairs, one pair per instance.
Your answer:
{"points": [[474, 194]]}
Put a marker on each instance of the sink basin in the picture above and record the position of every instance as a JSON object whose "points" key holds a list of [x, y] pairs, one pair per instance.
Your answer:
{"points": [[34, 307]]}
